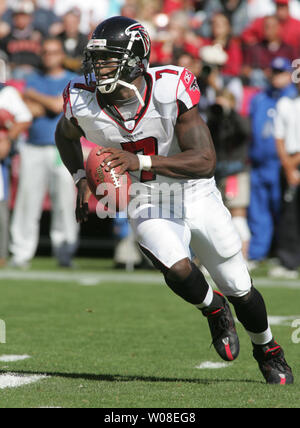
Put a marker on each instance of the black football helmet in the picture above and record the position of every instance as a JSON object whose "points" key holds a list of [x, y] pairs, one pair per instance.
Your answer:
{"points": [[121, 43]]}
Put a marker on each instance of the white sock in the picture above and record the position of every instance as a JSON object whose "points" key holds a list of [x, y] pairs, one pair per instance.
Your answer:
{"points": [[261, 338]]}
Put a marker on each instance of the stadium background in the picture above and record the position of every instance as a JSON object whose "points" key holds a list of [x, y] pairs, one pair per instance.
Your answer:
{"points": [[183, 32]]}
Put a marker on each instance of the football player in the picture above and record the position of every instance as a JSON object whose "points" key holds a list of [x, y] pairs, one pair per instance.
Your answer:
{"points": [[147, 120]]}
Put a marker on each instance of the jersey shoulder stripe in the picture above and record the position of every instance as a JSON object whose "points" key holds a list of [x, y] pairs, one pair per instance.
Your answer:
{"points": [[175, 84], [188, 90], [76, 96]]}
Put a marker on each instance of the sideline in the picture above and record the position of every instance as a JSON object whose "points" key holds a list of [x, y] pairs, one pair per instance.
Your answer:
{"points": [[94, 279]]}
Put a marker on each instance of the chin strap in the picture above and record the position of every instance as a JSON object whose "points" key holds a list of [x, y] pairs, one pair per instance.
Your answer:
{"points": [[112, 87], [133, 88]]}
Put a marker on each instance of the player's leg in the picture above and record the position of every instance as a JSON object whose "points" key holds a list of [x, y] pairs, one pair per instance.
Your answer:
{"points": [[33, 182], [64, 228], [251, 311], [212, 231], [166, 244]]}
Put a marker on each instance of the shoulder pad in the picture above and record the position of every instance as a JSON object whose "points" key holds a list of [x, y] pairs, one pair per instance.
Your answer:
{"points": [[79, 83], [75, 97], [166, 80], [188, 83]]}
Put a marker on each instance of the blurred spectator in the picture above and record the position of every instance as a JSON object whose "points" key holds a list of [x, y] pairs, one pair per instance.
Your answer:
{"points": [[265, 196], [44, 19], [258, 57], [190, 62], [92, 12], [170, 6], [146, 13], [4, 26], [212, 80], [287, 133], [231, 133], [171, 40], [74, 42], [23, 44], [258, 9], [235, 10], [129, 9], [15, 118], [42, 168], [222, 34], [290, 27]]}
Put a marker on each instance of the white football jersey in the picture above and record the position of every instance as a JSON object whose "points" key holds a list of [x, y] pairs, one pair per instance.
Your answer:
{"points": [[171, 91], [11, 100]]}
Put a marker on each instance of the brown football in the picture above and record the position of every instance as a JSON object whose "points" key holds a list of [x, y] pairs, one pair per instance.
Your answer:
{"points": [[111, 185]]}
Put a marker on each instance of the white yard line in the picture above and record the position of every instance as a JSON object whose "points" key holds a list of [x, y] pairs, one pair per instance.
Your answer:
{"points": [[95, 278], [11, 380], [212, 366], [82, 278], [13, 358], [283, 321]]}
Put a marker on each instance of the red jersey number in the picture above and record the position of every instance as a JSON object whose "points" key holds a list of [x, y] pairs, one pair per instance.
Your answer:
{"points": [[158, 74], [146, 146]]}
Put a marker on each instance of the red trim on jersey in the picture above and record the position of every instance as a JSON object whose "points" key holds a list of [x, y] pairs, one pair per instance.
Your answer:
{"points": [[85, 87], [66, 97], [67, 100], [190, 82], [158, 74]]}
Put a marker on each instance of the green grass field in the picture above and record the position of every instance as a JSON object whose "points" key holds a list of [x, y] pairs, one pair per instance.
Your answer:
{"points": [[111, 339]]}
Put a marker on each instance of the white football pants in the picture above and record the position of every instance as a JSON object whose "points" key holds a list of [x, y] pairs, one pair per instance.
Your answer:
{"points": [[207, 228], [42, 170]]}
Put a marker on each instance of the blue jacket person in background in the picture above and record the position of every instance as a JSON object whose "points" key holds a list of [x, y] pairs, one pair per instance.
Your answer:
{"points": [[265, 197]]}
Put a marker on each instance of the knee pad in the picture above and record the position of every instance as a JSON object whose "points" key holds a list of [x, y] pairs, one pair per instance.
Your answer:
{"points": [[193, 289], [180, 271], [241, 300]]}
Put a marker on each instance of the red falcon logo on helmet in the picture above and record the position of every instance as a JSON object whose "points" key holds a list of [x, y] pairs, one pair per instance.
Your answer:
{"points": [[140, 33]]}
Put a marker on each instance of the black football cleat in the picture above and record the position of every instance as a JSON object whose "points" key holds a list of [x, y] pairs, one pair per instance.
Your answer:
{"points": [[223, 332], [272, 364]]}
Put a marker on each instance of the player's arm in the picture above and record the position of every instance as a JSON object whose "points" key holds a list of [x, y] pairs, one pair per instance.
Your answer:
{"points": [[197, 158], [67, 137]]}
